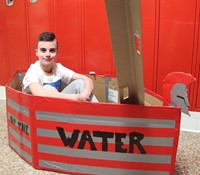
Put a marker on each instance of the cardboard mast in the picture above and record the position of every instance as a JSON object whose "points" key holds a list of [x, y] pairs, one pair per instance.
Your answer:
{"points": [[124, 20]]}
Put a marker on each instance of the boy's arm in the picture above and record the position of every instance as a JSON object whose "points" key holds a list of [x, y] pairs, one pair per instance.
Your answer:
{"points": [[37, 89], [85, 95]]}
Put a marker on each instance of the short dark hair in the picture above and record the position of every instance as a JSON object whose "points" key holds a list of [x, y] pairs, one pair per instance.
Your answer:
{"points": [[47, 36]]}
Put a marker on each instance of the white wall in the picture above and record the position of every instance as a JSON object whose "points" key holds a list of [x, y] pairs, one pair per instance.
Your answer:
{"points": [[191, 123], [2, 93]]}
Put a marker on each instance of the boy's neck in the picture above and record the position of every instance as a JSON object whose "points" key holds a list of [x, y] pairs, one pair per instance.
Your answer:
{"points": [[47, 71]]}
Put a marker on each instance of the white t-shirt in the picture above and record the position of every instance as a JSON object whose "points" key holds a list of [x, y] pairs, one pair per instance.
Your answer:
{"points": [[36, 74]]}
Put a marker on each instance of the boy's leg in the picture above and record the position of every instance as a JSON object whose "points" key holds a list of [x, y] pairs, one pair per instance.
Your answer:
{"points": [[77, 87]]}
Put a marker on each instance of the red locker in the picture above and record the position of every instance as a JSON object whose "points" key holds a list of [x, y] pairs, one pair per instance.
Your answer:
{"points": [[67, 16], [170, 41], [16, 36], [4, 69], [149, 22], [195, 92], [39, 19], [96, 37], [196, 88], [176, 38]]}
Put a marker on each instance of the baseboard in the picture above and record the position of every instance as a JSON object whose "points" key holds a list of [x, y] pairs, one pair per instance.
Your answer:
{"points": [[2, 93], [191, 123], [188, 123]]}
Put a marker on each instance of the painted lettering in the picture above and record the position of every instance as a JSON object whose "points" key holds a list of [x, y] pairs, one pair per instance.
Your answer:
{"points": [[12, 120], [23, 127], [135, 139], [118, 140], [68, 141], [105, 136], [86, 137]]}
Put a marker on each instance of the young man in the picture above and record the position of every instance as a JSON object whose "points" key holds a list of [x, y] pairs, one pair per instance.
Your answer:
{"points": [[44, 77]]}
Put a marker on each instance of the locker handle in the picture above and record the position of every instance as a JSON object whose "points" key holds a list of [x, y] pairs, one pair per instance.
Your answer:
{"points": [[33, 1], [9, 2]]}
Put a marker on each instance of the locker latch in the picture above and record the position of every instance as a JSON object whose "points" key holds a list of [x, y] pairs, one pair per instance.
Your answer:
{"points": [[33, 1], [9, 2]]}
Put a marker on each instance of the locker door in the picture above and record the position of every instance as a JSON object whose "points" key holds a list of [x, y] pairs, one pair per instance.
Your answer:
{"points": [[16, 35], [196, 95], [68, 27], [4, 69], [149, 22], [196, 90], [98, 52], [176, 38], [39, 19]]}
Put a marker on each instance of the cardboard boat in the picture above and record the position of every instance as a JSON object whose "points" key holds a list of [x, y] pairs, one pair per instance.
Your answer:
{"points": [[92, 138]]}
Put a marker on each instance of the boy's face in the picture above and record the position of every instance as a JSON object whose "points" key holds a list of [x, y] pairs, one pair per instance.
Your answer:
{"points": [[46, 52]]}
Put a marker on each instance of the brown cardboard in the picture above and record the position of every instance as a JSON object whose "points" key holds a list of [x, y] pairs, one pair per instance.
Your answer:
{"points": [[125, 30], [152, 100], [105, 88], [16, 81], [99, 87]]}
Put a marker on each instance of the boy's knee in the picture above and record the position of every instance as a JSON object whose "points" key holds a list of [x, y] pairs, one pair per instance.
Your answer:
{"points": [[79, 82], [80, 86]]}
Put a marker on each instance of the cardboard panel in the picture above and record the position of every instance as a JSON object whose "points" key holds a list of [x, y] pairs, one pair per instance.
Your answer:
{"points": [[125, 30], [105, 88]]}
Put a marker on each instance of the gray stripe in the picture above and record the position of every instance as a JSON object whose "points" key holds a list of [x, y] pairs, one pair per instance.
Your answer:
{"points": [[18, 108], [18, 122], [157, 141], [22, 153], [21, 139], [106, 121], [144, 158], [95, 170], [150, 141]]}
